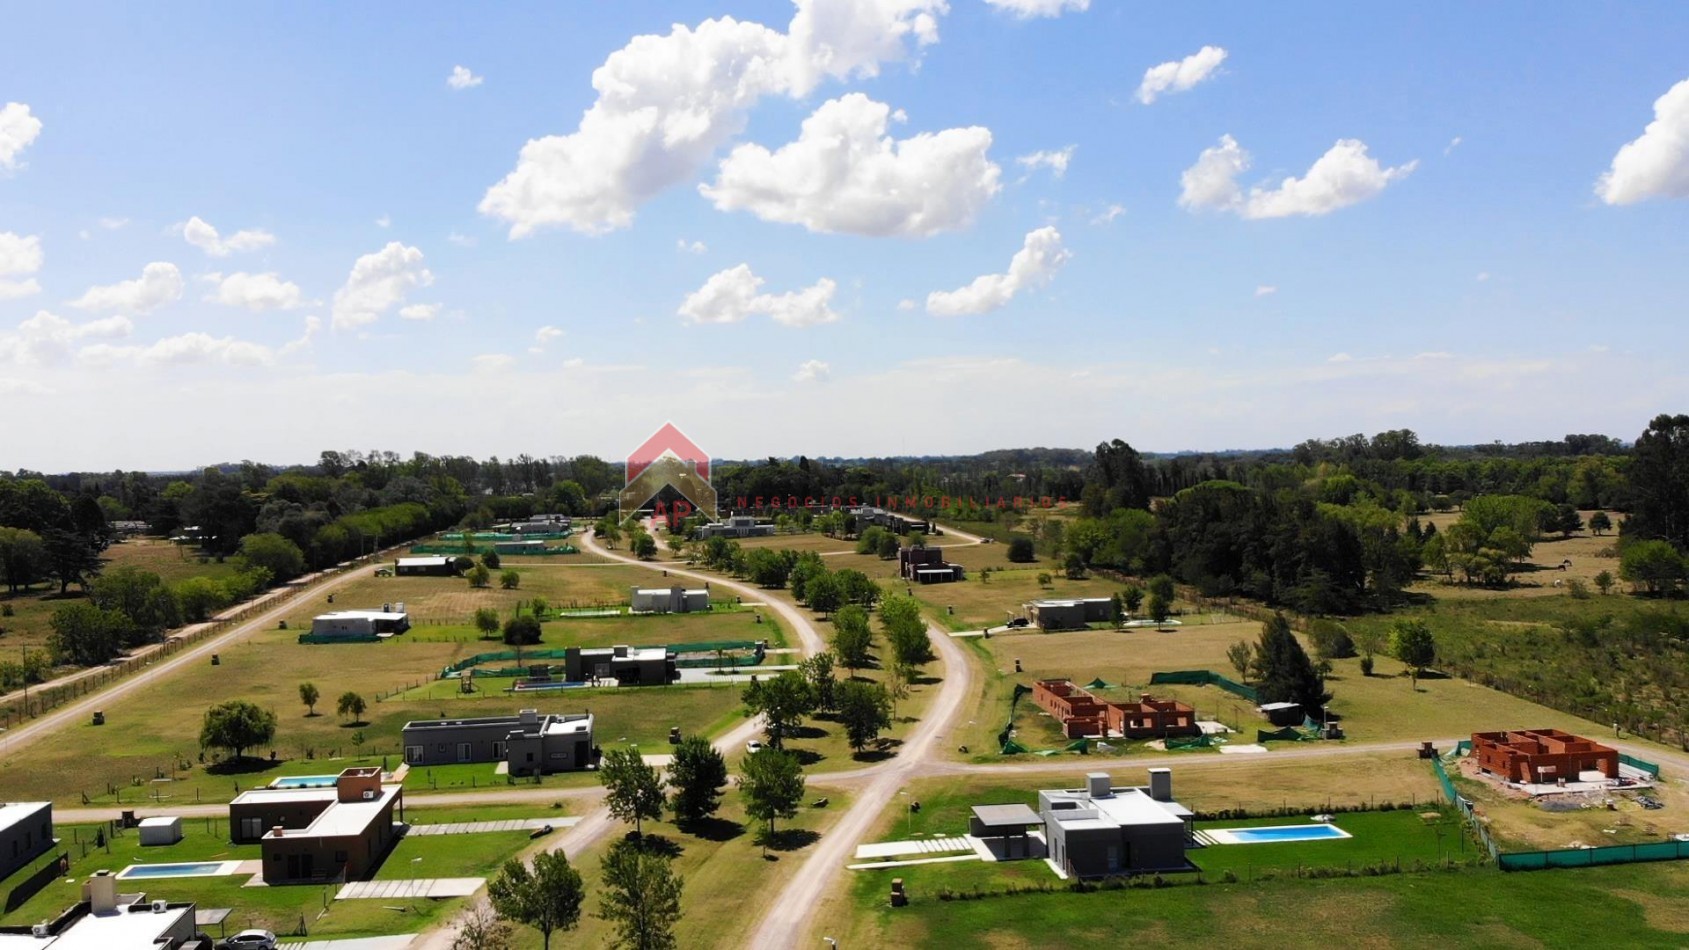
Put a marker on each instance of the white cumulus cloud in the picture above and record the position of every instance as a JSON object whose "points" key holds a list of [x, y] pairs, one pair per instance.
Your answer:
{"points": [[667, 103], [1027, 9], [844, 174], [462, 78], [812, 371], [202, 235], [1056, 161], [1343, 176], [1180, 74], [20, 256], [1034, 265], [47, 338], [731, 295], [378, 282], [691, 247], [257, 292], [420, 311], [1655, 165], [17, 130], [159, 284]]}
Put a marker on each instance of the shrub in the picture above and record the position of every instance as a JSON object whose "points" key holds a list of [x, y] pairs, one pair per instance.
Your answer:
{"points": [[1021, 551]]}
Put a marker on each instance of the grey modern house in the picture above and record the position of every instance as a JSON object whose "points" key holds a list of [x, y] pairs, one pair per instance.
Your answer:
{"points": [[737, 526], [531, 743], [668, 600], [361, 624], [1069, 614], [26, 833], [1100, 831]]}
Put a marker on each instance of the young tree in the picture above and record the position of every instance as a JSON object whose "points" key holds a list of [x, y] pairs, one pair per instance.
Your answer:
{"points": [[888, 546], [906, 632], [309, 695], [856, 587], [1604, 580], [1286, 673], [698, 775], [644, 546], [853, 640], [237, 725], [1133, 597], [783, 700], [509, 579], [818, 670], [486, 621], [633, 790], [772, 784], [479, 576], [547, 898], [1599, 523], [640, 896], [608, 531], [482, 929], [351, 705], [491, 560], [1242, 657], [522, 631], [1159, 607], [1074, 567], [864, 710], [1022, 551], [1412, 642], [1163, 585]]}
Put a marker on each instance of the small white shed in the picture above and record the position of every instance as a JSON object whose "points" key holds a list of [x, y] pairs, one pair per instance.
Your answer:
{"points": [[160, 831]]}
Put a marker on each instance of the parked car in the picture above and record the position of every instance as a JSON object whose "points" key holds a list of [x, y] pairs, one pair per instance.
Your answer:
{"points": [[1018, 622], [252, 940], [753, 746]]}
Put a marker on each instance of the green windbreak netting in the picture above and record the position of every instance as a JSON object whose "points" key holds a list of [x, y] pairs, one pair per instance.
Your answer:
{"points": [[1205, 678], [1190, 742], [1287, 734]]}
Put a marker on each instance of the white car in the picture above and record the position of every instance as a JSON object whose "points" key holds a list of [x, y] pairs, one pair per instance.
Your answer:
{"points": [[753, 746], [252, 940]]}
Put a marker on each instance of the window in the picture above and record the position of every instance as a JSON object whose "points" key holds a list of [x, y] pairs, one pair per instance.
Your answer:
{"points": [[413, 754], [252, 827], [463, 752], [498, 750]]}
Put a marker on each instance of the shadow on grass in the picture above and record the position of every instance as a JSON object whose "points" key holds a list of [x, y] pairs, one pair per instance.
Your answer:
{"points": [[245, 765], [806, 756], [789, 839], [714, 829], [883, 750], [354, 724], [655, 844], [805, 732], [925, 680]]}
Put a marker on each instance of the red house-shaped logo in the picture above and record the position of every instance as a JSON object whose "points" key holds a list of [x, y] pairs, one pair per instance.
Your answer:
{"points": [[667, 441]]}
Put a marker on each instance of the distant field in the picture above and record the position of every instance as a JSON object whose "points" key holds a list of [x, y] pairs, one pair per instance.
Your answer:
{"points": [[1590, 555]]}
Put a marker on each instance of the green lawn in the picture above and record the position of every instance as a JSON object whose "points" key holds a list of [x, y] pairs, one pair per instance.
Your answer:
{"points": [[473, 855]]}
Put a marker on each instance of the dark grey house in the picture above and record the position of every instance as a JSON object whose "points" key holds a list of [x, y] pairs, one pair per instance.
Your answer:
{"points": [[26, 833], [530, 742], [1100, 831]]}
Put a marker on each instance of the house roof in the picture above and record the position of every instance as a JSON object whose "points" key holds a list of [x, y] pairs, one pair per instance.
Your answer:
{"points": [[13, 812], [1006, 816], [433, 561], [120, 928]]}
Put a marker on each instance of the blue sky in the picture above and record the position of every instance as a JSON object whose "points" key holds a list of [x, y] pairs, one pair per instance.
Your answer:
{"points": [[1453, 268]]}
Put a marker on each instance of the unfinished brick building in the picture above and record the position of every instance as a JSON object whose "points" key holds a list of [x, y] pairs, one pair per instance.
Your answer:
{"points": [[1542, 756], [1083, 714]]}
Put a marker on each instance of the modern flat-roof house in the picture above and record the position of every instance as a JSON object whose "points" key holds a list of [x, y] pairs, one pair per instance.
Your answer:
{"points": [[867, 517], [1542, 756], [26, 833], [311, 835], [668, 600], [107, 920], [391, 619], [628, 666], [1070, 614], [927, 566], [441, 566], [531, 743], [535, 546], [1099, 830], [1083, 714], [737, 526]]}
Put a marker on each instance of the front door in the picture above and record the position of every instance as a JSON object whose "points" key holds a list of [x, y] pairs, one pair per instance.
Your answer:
{"points": [[463, 752]]}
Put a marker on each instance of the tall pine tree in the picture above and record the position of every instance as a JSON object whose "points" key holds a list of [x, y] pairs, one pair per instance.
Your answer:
{"points": [[1287, 675]]}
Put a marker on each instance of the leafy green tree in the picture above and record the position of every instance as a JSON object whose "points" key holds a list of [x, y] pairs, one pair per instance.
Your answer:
{"points": [[1659, 478], [1600, 523], [486, 621], [309, 695], [772, 784], [782, 700], [644, 547], [608, 531], [868, 542], [479, 576], [768, 568], [906, 632], [1412, 642], [1242, 657], [1074, 568], [274, 553], [823, 593], [1163, 585], [1160, 608], [1133, 597], [1567, 521], [633, 790], [538, 606], [1286, 673], [350, 705], [199, 598], [853, 640], [864, 711], [1604, 581], [71, 557], [142, 597], [85, 635], [856, 587], [547, 898], [1022, 550], [522, 631], [1331, 640], [23, 558], [491, 560], [640, 895], [1654, 564], [818, 670], [237, 725], [698, 775], [510, 579]]}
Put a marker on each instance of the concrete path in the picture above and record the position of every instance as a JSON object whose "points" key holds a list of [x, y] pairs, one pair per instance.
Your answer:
{"points": [[877, 865], [409, 888], [895, 849], [483, 827], [399, 942]]}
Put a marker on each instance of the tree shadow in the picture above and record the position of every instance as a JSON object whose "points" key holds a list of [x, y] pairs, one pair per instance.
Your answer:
{"points": [[245, 765], [790, 839], [354, 724], [882, 750], [806, 732], [925, 680], [713, 829], [655, 844], [806, 757]]}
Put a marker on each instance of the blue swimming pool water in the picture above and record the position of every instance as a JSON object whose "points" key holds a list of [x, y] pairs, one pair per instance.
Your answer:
{"points": [[171, 870], [303, 781], [1287, 833]]}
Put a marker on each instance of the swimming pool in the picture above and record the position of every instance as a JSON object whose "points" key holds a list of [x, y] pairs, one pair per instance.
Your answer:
{"points": [[303, 781], [200, 869], [1276, 833]]}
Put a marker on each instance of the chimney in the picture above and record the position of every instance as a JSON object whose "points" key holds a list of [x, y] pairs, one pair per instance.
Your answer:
{"points": [[278, 831], [1161, 784], [102, 893], [530, 717], [1098, 785]]}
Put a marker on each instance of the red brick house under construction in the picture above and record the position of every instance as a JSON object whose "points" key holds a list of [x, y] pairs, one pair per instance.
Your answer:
{"points": [[1082, 714], [1542, 756]]}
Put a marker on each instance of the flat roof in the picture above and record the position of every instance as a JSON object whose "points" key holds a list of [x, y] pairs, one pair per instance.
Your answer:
{"points": [[421, 561], [1273, 707], [344, 819], [120, 928], [318, 793], [667, 590], [161, 821], [1127, 806], [362, 615], [1006, 816], [563, 726], [13, 812]]}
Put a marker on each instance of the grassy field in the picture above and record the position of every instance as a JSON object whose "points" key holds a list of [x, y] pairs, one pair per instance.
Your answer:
{"points": [[157, 727], [1590, 555], [285, 910], [979, 603], [727, 623]]}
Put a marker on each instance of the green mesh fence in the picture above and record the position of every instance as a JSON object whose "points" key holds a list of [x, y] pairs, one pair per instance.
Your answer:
{"points": [[459, 548], [1003, 739], [1189, 742], [1287, 734], [1205, 678]]}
